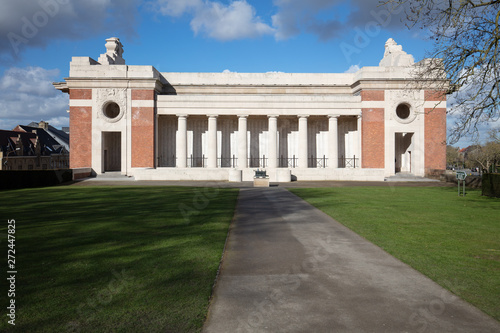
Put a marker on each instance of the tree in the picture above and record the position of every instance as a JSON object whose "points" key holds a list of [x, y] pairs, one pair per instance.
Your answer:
{"points": [[452, 156], [486, 156], [465, 34]]}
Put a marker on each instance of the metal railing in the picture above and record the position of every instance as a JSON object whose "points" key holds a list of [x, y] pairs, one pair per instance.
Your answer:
{"points": [[286, 162], [167, 161], [314, 162], [197, 162], [258, 162], [349, 162], [227, 162]]}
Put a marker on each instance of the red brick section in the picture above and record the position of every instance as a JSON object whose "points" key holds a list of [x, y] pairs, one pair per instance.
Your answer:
{"points": [[143, 134], [435, 140], [80, 122], [372, 138], [143, 95], [143, 131], [434, 95], [372, 95], [81, 175], [80, 94], [372, 131]]}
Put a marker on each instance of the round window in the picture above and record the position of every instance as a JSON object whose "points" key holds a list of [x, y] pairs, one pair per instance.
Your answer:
{"points": [[112, 110], [403, 111]]}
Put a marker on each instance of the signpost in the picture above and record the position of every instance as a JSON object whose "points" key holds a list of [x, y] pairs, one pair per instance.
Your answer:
{"points": [[461, 175]]}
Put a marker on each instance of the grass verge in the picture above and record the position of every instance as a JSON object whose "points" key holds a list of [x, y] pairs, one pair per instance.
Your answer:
{"points": [[453, 240], [114, 259]]}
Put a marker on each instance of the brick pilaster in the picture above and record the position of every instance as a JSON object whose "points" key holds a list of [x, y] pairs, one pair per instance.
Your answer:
{"points": [[80, 120], [143, 130]]}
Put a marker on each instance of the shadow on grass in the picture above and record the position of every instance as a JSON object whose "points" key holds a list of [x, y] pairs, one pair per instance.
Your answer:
{"points": [[115, 259]]}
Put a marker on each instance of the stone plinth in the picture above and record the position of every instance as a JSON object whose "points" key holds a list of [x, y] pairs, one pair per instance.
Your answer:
{"points": [[235, 176], [261, 182]]}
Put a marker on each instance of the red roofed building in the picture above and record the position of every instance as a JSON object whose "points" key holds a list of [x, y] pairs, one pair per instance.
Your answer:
{"points": [[30, 148]]}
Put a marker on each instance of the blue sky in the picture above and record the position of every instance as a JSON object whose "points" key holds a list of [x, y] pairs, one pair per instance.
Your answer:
{"points": [[38, 39]]}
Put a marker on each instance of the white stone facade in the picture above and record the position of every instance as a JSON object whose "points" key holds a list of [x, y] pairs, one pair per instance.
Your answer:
{"points": [[222, 126]]}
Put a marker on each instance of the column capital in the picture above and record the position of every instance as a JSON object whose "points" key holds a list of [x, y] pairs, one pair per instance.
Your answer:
{"points": [[182, 115], [242, 116], [273, 116], [212, 115], [333, 116], [302, 116]]}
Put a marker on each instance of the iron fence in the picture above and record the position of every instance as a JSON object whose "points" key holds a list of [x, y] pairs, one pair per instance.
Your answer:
{"points": [[286, 162], [197, 162], [349, 162], [227, 162], [258, 162], [314, 162]]}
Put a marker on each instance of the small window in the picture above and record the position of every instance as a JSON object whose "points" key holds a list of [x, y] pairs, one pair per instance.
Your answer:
{"points": [[112, 110], [403, 111]]}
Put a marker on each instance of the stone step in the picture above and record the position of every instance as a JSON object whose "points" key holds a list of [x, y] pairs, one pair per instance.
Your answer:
{"points": [[408, 177], [113, 175]]}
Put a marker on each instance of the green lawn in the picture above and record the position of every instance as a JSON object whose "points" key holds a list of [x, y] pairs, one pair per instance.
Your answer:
{"points": [[453, 240], [114, 259]]}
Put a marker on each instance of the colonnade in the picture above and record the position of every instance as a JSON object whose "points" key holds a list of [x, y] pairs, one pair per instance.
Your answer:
{"points": [[242, 149]]}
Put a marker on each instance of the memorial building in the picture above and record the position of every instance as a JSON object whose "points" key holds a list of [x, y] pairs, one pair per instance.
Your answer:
{"points": [[152, 125]]}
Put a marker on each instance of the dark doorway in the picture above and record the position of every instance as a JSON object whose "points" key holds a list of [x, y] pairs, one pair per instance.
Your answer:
{"points": [[112, 151]]}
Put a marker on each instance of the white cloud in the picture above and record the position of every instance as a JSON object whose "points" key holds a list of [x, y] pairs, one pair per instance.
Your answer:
{"points": [[329, 19], [27, 95], [28, 23], [353, 69], [237, 20], [177, 8]]}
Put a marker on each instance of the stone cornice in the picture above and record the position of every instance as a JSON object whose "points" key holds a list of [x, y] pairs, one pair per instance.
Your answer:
{"points": [[89, 83]]}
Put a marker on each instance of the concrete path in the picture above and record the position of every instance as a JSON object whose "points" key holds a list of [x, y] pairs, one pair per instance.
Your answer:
{"points": [[288, 267]]}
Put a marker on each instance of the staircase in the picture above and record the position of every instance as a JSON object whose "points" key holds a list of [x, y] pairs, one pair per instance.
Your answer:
{"points": [[408, 177]]}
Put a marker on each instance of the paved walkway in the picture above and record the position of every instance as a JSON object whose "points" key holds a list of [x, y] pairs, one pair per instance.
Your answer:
{"points": [[289, 267]]}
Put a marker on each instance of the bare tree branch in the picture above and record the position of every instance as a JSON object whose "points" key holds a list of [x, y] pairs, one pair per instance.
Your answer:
{"points": [[465, 35]]}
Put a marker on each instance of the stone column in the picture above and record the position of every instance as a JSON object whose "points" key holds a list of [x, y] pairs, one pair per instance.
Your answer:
{"points": [[333, 144], [273, 142], [303, 142], [242, 142], [212, 141], [181, 141], [358, 154]]}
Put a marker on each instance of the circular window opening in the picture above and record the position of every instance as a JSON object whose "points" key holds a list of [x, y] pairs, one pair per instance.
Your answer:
{"points": [[403, 111], [112, 110]]}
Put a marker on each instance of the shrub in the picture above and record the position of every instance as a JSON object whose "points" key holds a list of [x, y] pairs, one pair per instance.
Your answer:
{"points": [[491, 184], [11, 179]]}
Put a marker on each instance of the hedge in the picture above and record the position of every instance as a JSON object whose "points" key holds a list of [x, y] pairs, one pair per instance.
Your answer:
{"points": [[11, 179], [491, 184]]}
